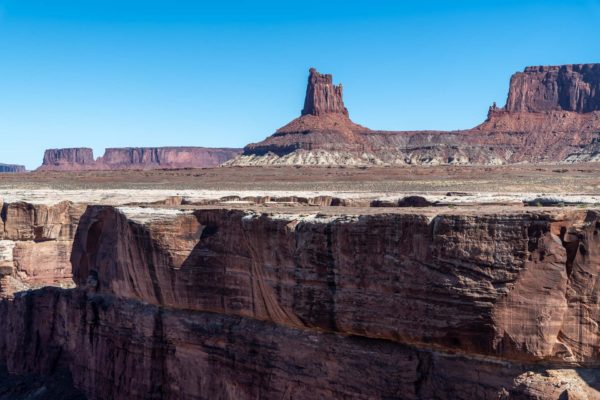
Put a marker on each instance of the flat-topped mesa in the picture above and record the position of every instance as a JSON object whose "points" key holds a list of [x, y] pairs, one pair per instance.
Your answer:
{"points": [[68, 158], [76, 159], [574, 87], [8, 168], [166, 157], [322, 96]]}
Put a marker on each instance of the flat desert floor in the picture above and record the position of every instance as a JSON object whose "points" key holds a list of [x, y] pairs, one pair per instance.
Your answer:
{"points": [[547, 178]]}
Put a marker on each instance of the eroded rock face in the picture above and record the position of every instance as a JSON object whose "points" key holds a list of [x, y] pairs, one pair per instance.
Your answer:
{"points": [[123, 349], [35, 245], [500, 284], [556, 88], [68, 159], [322, 96], [234, 304]]}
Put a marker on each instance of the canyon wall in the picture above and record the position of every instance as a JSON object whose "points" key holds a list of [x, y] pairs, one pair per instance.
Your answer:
{"points": [[35, 245], [234, 304], [75, 159]]}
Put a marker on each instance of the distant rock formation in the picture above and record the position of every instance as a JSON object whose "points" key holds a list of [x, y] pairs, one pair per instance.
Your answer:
{"points": [[557, 88], [552, 114], [75, 159], [166, 157], [9, 168], [322, 96]]}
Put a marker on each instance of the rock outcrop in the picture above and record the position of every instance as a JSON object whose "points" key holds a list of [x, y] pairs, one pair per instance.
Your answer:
{"points": [[76, 159], [557, 88], [35, 245], [166, 157], [322, 96], [233, 304], [552, 114], [11, 168]]}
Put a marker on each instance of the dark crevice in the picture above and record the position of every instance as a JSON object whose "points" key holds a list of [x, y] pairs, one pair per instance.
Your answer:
{"points": [[209, 230], [572, 248], [4, 215], [145, 237], [158, 357], [331, 277], [423, 372]]}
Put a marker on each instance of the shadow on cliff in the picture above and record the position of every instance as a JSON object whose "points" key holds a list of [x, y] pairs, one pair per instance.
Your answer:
{"points": [[58, 385], [591, 377]]}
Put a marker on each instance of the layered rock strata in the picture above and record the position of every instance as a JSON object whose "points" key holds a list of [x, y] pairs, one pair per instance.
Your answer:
{"points": [[76, 159], [68, 159], [35, 245], [233, 304], [556, 88], [552, 114], [165, 157], [322, 96]]}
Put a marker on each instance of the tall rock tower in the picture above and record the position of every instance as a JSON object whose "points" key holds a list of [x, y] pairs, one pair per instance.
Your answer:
{"points": [[322, 96]]}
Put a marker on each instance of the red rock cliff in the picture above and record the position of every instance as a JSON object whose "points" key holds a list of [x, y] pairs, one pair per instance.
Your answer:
{"points": [[181, 304], [553, 88], [165, 157], [322, 96], [68, 159]]}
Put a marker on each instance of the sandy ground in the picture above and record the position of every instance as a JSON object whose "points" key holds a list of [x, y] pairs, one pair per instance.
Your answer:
{"points": [[445, 186], [557, 178]]}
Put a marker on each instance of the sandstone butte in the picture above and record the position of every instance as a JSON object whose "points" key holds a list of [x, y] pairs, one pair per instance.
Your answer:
{"points": [[81, 158], [194, 298], [552, 114]]}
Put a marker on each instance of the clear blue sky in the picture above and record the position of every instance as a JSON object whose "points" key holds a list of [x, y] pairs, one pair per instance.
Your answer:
{"points": [[104, 73]]}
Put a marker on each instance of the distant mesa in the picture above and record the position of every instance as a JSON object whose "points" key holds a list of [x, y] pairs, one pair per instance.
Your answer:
{"points": [[552, 114], [10, 168], [67, 158], [81, 158]]}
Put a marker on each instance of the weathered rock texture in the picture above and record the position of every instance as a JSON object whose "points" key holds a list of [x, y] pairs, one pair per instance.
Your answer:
{"points": [[322, 96], [35, 245], [11, 168], [136, 158], [166, 157], [68, 159], [232, 304], [552, 114], [558, 88]]}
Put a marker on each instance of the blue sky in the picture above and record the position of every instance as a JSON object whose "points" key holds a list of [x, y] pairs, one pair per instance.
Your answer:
{"points": [[225, 73]]}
